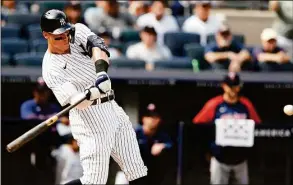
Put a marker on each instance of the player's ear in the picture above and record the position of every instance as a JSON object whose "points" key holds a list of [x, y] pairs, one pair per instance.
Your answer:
{"points": [[46, 35]]}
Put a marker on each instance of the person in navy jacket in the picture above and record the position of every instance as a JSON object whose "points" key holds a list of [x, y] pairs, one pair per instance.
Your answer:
{"points": [[154, 143], [228, 105]]}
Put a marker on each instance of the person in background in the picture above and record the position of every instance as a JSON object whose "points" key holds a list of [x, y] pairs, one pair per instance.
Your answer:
{"points": [[283, 24], [227, 53], [138, 8], [73, 12], [114, 53], [107, 15], [158, 19], [68, 165], [270, 56], [12, 7], [39, 107], [154, 144], [202, 23], [152, 51], [229, 105]]}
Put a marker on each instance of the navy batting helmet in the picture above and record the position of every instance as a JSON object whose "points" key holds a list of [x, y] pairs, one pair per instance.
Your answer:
{"points": [[55, 22]]}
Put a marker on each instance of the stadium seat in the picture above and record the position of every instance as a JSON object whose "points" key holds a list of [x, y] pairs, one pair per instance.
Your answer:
{"points": [[237, 37], [34, 31], [176, 41], [10, 31], [24, 19], [12, 46], [129, 35], [39, 45], [123, 62], [174, 63], [29, 59], [180, 20], [5, 59], [196, 51]]}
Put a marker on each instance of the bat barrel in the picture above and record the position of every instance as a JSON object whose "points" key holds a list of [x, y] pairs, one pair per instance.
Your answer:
{"points": [[26, 137]]}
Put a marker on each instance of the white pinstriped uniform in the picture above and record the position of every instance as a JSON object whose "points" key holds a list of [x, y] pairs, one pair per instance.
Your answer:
{"points": [[101, 130]]}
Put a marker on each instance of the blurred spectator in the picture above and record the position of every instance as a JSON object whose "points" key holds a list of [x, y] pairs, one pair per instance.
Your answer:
{"points": [[232, 106], [202, 22], [270, 56], [227, 53], [114, 53], [153, 143], [74, 13], [283, 24], [148, 49], [107, 15], [158, 19], [68, 165], [12, 7], [138, 8], [39, 107]]}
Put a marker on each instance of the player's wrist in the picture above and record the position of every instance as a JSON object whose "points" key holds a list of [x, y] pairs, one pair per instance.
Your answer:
{"points": [[101, 66]]}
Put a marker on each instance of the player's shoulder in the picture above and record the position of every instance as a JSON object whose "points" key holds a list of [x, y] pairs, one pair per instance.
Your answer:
{"points": [[28, 103]]}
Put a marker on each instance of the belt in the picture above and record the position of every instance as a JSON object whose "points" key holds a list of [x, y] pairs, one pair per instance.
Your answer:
{"points": [[107, 97]]}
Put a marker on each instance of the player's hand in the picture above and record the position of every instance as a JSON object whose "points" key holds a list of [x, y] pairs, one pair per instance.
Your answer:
{"points": [[103, 82], [157, 148], [92, 93]]}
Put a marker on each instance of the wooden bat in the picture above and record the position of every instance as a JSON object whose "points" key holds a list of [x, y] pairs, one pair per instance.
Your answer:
{"points": [[40, 128]]}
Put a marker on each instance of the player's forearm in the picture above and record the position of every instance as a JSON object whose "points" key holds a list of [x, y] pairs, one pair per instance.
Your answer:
{"points": [[99, 54]]}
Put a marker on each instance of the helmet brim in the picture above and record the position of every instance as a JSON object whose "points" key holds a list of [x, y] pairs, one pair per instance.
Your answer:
{"points": [[62, 29]]}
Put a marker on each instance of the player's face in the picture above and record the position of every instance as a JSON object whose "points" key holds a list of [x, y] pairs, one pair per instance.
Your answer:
{"points": [[41, 97], [60, 41], [232, 91]]}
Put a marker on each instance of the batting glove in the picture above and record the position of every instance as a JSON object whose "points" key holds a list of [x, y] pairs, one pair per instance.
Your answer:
{"points": [[103, 82], [92, 93]]}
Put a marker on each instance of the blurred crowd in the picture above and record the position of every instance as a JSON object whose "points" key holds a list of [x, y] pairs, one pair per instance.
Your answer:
{"points": [[164, 30]]}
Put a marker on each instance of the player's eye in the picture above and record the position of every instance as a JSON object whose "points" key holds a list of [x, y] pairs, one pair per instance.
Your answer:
{"points": [[58, 38]]}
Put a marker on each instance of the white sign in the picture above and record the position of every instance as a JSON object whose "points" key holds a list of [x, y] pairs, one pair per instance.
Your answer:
{"points": [[235, 132]]}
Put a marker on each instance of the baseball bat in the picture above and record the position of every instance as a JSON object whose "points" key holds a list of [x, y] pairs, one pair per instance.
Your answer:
{"points": [[40, 128]]}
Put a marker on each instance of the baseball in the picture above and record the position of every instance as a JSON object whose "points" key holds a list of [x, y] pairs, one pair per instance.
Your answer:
{"points": [[288, 109]]}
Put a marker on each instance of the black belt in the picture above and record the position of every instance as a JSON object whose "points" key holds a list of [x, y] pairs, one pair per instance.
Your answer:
{"points": [[104, 99]]}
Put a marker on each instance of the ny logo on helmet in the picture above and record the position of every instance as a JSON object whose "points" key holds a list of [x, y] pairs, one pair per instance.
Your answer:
{"points": [[62, 22]]}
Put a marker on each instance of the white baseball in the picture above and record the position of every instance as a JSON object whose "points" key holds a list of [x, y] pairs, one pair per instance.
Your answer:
{"points": [[288, 109]]}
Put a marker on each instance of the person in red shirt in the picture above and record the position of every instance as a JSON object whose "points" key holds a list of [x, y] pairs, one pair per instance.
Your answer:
{"points": [[229, 105]]}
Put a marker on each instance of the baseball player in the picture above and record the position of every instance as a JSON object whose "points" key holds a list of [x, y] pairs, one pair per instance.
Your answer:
{"points": [[227, 160], [75, 64]]}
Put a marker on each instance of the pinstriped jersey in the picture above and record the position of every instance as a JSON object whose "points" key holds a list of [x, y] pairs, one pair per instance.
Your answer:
{"points": [[75, 67]]}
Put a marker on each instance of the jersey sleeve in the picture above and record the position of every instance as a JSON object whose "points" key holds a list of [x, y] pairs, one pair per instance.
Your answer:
{"points": [[82, 32], [251, 110], [62, 89], [207, 113], [26, 111]]}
